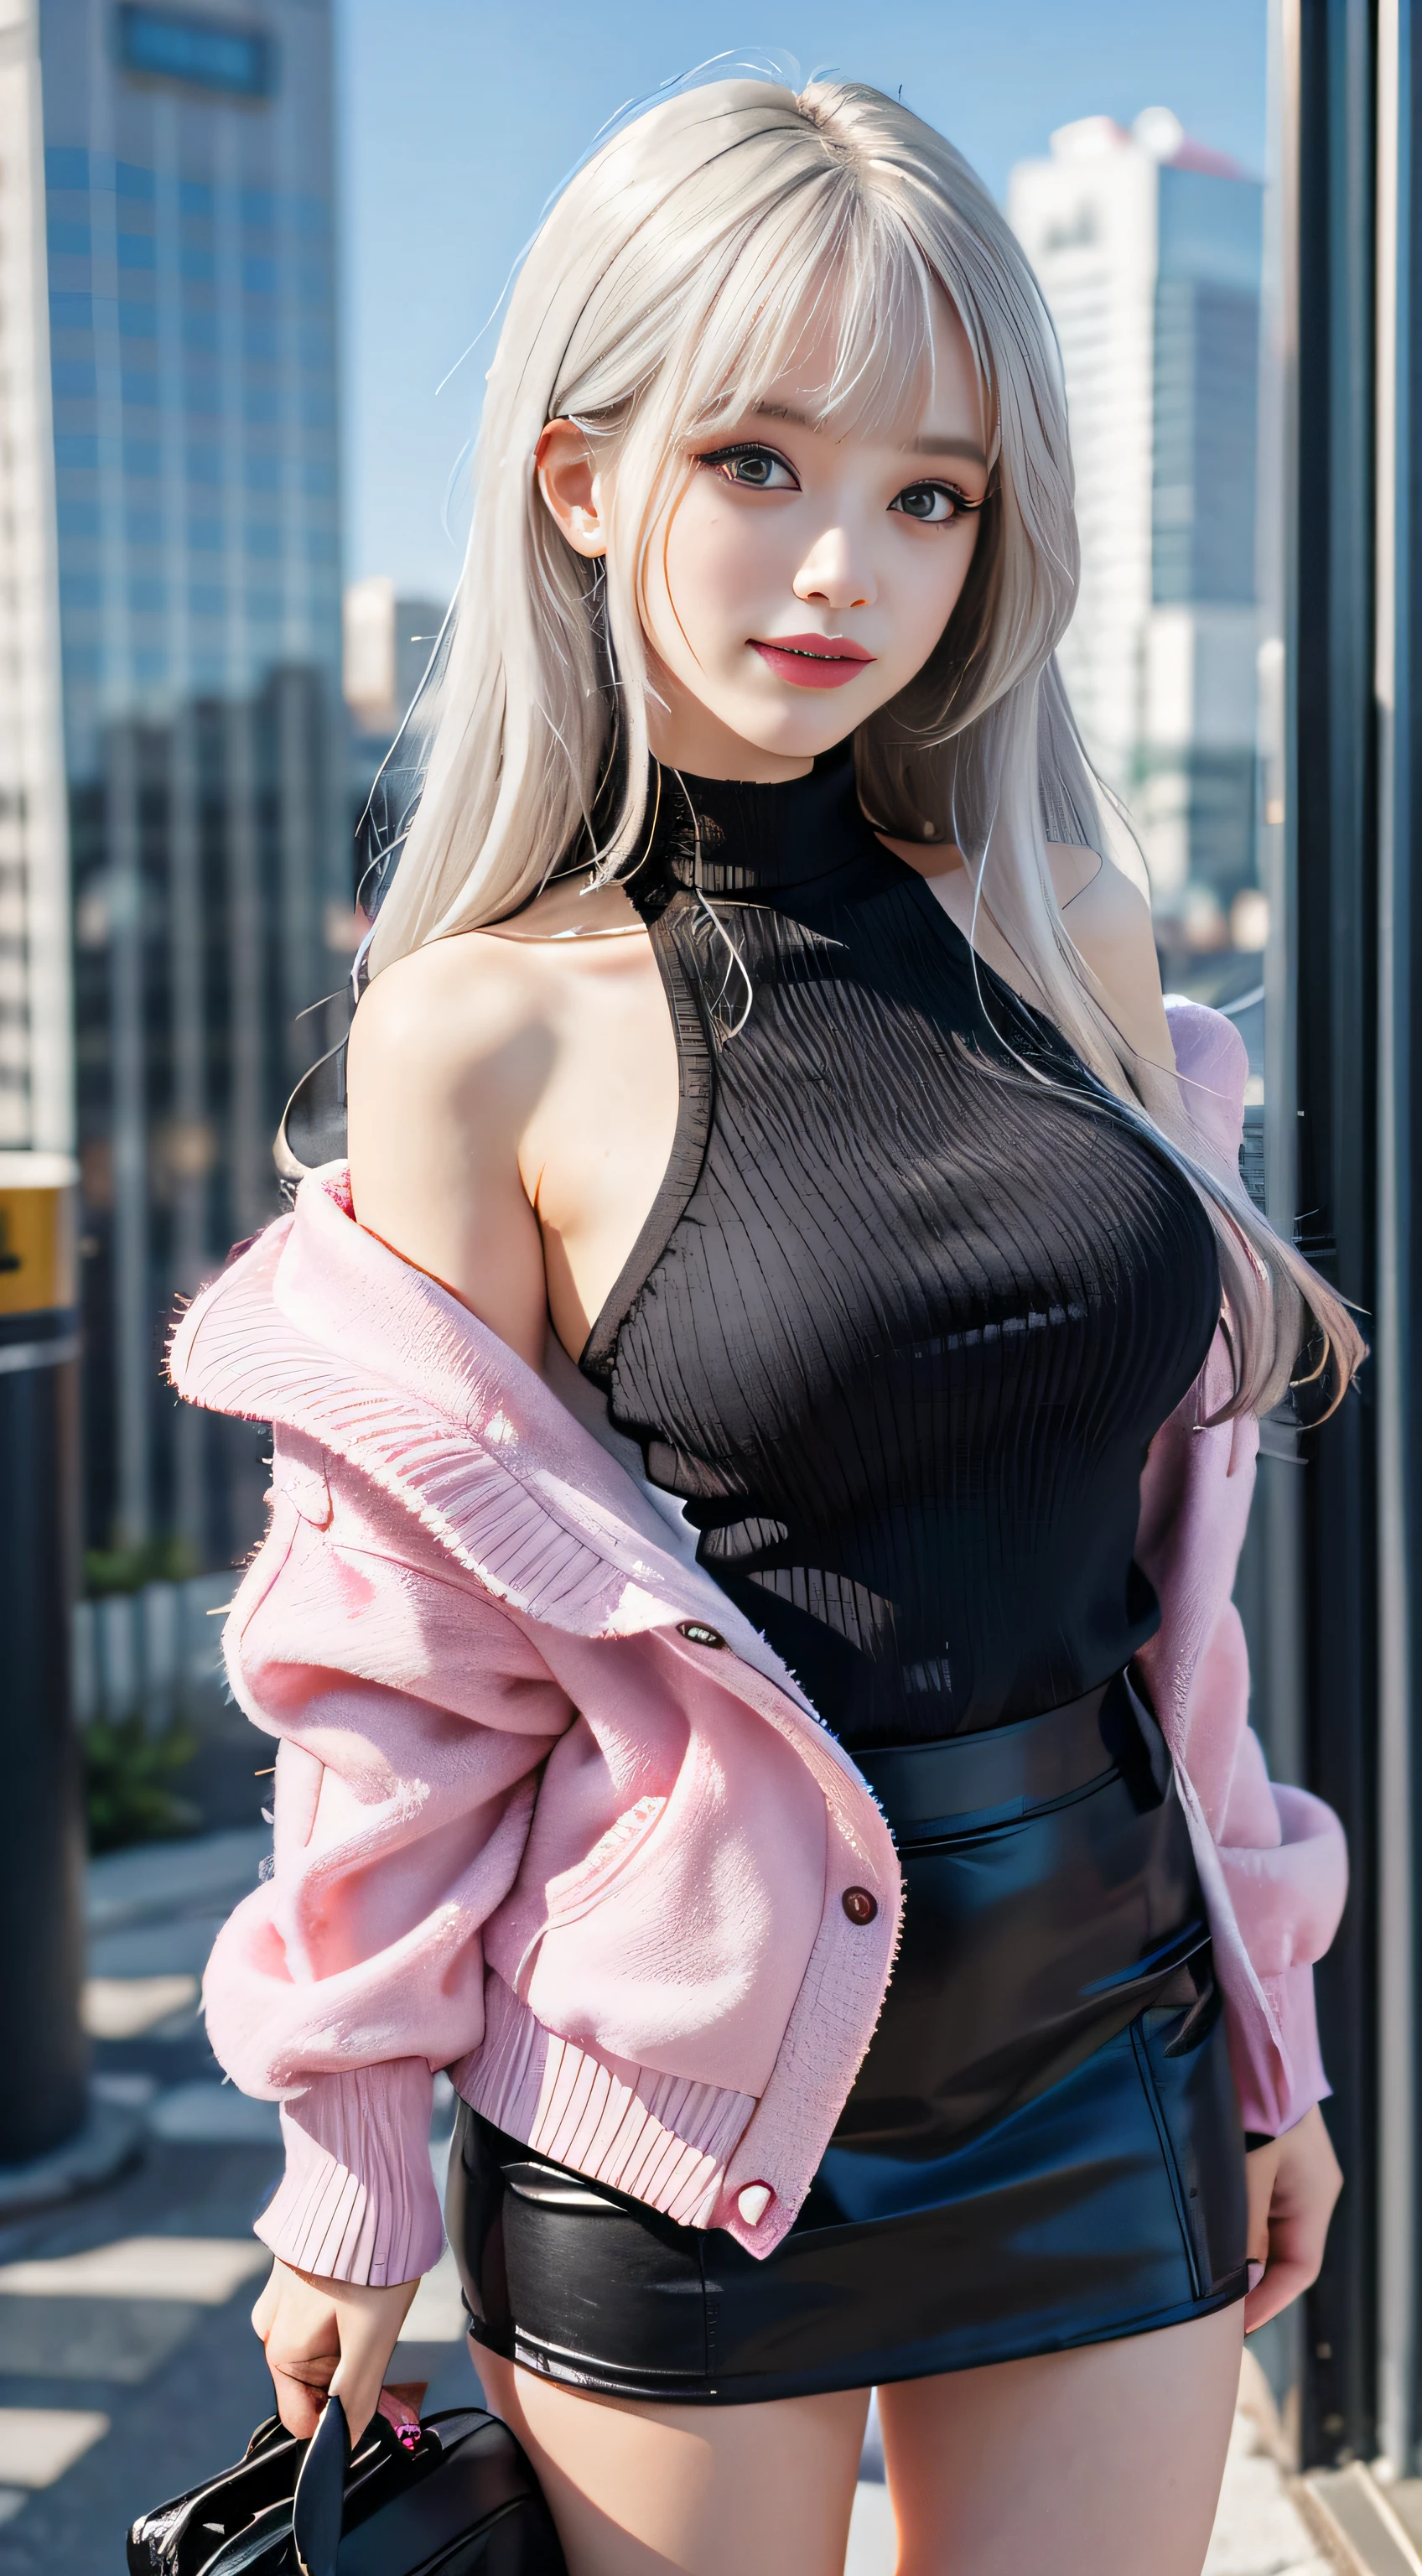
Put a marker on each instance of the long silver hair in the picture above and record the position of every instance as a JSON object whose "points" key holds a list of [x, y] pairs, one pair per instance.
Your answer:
{"points": [[670, 285]]}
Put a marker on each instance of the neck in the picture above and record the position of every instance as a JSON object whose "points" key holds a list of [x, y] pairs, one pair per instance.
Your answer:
{"points": [[685, 735]]}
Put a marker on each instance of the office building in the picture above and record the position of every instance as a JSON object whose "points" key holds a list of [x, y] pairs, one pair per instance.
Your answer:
{"points": [[36, 1092], [1148, 249], [388, 644], [188, 163]]}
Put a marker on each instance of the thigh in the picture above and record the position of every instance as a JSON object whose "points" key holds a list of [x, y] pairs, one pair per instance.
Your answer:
{"points": [[1100, 2462], [645, 2490]]}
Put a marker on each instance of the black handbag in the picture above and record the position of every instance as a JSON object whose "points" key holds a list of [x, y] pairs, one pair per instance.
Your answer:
{"points": [[452, 2496]]}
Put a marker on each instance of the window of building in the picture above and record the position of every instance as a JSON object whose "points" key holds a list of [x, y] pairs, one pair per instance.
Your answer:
{"points": [[66, 168], [199, 53], [71, 313]]}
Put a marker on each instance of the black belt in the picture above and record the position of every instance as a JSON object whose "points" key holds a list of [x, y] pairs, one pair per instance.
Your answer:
{"points": [[1004, 1771]]}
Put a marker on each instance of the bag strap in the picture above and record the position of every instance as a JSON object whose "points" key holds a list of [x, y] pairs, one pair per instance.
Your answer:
{"points": [[321, 2493]]}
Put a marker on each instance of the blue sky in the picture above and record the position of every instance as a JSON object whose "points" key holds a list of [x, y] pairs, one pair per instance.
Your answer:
{"points": [[459, 118]]}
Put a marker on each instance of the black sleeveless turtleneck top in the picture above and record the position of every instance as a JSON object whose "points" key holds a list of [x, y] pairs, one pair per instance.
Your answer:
{"points": [[903, 1318]]}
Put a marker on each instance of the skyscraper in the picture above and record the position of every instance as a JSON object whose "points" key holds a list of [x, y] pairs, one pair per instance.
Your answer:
{"points": [[1148, 249], [36, 1105], [188, 163]]}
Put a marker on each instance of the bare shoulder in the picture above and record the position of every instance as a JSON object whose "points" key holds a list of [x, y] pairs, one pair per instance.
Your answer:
{"points": [[1074, 869], [444, 1007], [1109, 922], [461, 1003], [1106, 918], [448, 1050]]}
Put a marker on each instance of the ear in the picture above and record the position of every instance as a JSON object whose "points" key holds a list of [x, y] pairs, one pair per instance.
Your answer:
{"points": [[569, 486]]}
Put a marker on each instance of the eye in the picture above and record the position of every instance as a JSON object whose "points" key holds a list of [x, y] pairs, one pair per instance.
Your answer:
{"points": [[934, 505], [755, 469]]}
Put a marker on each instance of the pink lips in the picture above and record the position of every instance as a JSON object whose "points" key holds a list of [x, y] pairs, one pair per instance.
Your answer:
{"points": [[813, 661]]}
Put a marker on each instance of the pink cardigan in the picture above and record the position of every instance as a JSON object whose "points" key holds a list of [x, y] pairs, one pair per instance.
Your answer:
{"points": [[550, 1813]]}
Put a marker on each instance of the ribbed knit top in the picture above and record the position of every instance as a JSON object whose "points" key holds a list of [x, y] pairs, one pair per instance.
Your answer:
{"points": [[904, 1317]]}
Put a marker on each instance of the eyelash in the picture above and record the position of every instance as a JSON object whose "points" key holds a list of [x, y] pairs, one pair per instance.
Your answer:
{"points": [[721, 457]]}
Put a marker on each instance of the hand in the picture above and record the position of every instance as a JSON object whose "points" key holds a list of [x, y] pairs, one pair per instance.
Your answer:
{"points": [[328, 2335], [1293, 2183]]}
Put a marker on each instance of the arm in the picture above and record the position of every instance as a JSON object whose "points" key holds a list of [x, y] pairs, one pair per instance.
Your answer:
{"points": [[448, 1059], [1279, 1852], [399, 1818], [412, 1715]]}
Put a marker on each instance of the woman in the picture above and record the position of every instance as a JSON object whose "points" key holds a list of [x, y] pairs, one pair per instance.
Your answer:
{"points": [[709, 1422]]}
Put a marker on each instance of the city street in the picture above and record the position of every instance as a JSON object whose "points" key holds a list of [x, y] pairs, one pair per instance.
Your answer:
{"points": [[127, 2364]]}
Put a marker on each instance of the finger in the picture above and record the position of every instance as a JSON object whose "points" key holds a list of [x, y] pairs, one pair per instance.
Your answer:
{"points": [[368, 2339], [358, 2380], [299, 2401], [1282, 2283], [1295, 2258], [1260, 2173]]}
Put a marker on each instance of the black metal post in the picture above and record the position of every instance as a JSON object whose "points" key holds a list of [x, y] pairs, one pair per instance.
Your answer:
{"points": [[42, 2046], [1328, 99], [1399, 1351]]}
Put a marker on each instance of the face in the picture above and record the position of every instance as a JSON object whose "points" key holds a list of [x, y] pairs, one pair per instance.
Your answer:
{"points": [[805, 574]]}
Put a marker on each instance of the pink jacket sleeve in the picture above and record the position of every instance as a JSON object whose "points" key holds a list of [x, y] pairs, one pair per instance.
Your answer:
{"points": [[1275, 1854], [1280, 1852], [340, 1960]]}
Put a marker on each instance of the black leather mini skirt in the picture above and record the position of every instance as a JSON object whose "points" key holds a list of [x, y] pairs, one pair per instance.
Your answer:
{"points": [[1042, 2147]]}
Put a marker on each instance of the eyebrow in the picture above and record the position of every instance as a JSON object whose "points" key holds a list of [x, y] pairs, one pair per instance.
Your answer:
{"points": [[967, 448]]}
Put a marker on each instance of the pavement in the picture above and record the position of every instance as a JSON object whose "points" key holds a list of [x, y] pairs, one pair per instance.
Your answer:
{"points": [[128, 2368]]}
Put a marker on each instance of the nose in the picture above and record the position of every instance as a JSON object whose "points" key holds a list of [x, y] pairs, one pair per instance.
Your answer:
{"points": [[836, 573]]}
